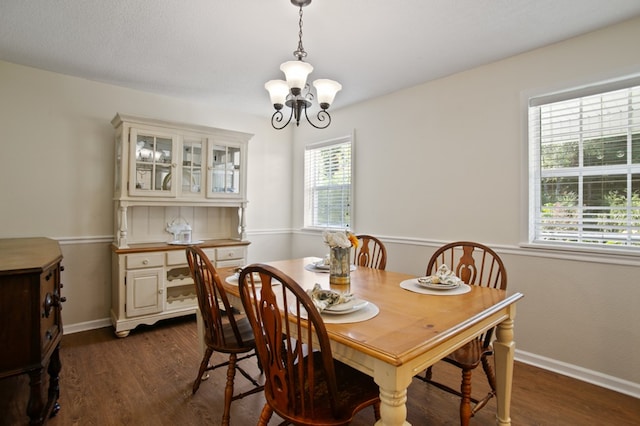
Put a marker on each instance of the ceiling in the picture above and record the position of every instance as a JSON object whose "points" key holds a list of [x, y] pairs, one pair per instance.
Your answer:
{"points": [[223, 51]]}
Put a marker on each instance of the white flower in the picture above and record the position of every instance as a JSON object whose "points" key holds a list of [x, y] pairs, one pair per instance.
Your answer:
{"points": [[336, 239]]}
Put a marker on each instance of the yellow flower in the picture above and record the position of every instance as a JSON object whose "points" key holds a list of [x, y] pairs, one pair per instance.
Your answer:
{"points": [[353, 239]]}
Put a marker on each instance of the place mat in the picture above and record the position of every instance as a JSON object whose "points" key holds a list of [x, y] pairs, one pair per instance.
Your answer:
{"points": [[312, 268], [412, 285], [364, 314], [233, 280]]}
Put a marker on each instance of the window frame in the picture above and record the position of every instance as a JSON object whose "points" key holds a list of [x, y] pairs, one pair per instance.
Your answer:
{"points": [[308, 223], [533, 166]]}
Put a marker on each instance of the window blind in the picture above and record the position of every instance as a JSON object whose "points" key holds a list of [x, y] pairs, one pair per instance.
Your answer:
{"points": [[327, 184], [585, 168]]}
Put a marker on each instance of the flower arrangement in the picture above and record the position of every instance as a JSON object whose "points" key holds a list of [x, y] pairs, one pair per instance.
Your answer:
{"points": [[344, 239]]}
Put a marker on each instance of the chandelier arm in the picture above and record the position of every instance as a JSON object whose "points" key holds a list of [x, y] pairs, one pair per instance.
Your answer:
{"points": [[277, 117], [322, 116]]}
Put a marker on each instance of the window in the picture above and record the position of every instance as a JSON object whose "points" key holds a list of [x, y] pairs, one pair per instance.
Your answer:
{"points": [[328, 184], [585, 166]]}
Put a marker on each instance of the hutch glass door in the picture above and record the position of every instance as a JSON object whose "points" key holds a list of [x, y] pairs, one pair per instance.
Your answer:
{"points": [[153, 165], [191, 167], [224, 170]]}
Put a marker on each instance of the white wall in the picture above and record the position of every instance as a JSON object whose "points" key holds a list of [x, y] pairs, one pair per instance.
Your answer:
{"points": [[432, 163], [446, 160], [56, 178]]}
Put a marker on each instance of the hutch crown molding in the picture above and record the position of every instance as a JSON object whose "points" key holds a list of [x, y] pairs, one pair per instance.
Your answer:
{"points": [[168, 172]]}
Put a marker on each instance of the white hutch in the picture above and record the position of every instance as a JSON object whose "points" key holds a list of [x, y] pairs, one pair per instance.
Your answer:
{"points": [[168, 173]]}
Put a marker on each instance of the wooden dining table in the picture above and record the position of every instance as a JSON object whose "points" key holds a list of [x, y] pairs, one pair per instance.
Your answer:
{"points": [[410, 331]]}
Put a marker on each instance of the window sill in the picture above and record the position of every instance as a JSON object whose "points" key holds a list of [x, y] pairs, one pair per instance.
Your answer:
{"points": [[619, 256]]}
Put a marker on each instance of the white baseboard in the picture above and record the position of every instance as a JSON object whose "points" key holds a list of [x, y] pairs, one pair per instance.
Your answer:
{"points": [[86, 326], [594, 377]]}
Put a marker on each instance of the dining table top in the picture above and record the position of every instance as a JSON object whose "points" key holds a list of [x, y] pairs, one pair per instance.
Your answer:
{"points": [[408, 324]]}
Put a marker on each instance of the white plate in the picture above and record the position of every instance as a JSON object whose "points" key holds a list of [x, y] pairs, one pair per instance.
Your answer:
{"points": [[233, 280], [439, 286], [181, 243], [321, 265], [346, 308], [367, 312], [313, 268]]}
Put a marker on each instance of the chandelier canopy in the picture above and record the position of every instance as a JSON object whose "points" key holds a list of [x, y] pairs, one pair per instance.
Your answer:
{"points": [[295, 92]]}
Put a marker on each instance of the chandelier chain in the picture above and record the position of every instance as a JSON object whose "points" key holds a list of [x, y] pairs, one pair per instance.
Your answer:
{"points": [[300, 53]]}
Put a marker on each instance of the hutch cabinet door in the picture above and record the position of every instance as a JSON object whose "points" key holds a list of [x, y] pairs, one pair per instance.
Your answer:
{"points": [[225, 176], [145, 290], [152, 158], [191, 163]]}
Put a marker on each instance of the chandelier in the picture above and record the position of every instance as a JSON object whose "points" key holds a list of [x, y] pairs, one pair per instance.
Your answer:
{"points": [[295, 93]]}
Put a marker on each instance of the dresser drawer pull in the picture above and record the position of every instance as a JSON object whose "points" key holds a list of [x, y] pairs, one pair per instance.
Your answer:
{"points": [[145, 262], [51, 301], [48, 303]]}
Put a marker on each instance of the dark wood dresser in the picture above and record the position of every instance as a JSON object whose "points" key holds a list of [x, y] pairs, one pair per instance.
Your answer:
{"points": [[30, 319]]}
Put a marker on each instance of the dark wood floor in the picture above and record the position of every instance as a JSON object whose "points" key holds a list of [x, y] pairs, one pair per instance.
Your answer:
{"points": [[146, 378]]}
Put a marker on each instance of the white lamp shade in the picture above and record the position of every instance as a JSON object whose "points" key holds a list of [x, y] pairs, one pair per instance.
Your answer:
{"points": [[326, 90], [278, 91], [296, 73]]}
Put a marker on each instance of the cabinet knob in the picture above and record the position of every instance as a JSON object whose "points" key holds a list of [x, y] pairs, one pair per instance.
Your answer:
{"points": [[160, 291], [145, 262], [52, 301], [48, 303], [61, 268]]}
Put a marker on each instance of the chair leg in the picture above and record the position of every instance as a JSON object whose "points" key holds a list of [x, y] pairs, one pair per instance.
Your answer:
{"points": [[228, 390], [265, 415], [203, 367], [491, 378], [428, 374], [376, 410], [488, 370], [465, 402]]}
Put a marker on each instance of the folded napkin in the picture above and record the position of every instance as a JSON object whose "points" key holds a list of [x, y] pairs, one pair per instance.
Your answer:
{"points": [[443, 275], [324, 299]]}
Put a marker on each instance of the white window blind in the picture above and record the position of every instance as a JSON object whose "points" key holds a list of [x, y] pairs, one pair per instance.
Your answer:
{"points": [[585, 167], [327, 184]]}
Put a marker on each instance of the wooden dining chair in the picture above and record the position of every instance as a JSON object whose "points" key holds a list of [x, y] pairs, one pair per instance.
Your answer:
{"points": [[370, 252], [304, 384], [475, 264], [224, 332]]}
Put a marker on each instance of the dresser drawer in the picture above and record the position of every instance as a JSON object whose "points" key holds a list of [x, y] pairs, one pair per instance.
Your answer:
{"points": [[176, 257], [144, 260], [50, 308], [230, 253], [229, 263]]}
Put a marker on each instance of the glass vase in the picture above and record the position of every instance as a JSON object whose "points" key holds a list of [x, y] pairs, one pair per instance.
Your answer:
{"points": [[340, 268]]}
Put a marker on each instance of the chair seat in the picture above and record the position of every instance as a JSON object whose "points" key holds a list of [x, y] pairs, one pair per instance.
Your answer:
{"points": [[361, 391], [231, 344], [470, 355]]}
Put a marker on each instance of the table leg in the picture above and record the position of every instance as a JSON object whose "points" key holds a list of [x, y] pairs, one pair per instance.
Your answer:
{"points": [[393, 395], [503, 349]]}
